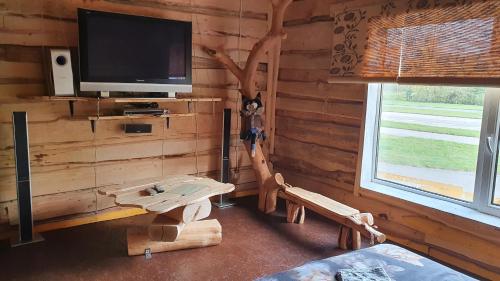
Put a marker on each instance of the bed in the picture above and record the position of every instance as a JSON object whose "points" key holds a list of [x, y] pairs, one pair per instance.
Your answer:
{"points": [[398, 263]]}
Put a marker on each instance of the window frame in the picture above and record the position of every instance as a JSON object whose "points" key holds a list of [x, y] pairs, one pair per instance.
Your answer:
{"points": [[486, 160]]}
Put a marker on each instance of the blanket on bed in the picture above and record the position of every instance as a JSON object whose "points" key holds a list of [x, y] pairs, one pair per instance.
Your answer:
{"points": [[397, 262]]}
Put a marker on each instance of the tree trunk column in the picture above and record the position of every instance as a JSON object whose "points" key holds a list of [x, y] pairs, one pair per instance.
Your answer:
{"points": [[268, 188]]}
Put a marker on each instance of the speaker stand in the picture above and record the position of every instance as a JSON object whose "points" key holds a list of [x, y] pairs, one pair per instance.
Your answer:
{"points": [[223, 202], [225, 169], [17, 242]]}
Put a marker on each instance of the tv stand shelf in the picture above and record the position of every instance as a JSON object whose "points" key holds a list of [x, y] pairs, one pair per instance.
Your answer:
{"points": [[167, 117], [71, 101], [159, 100], [121, 100], [125, 117]]}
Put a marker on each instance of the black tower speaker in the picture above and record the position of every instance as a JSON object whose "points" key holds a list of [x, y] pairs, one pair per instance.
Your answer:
{"points": [[23, 176], [226, 139]]}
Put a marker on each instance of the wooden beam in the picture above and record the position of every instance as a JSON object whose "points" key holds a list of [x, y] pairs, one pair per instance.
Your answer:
{"points": [[357, 183]]}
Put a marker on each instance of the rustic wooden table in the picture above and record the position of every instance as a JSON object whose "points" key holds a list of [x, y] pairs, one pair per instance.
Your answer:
{"points": [[181, 206]]}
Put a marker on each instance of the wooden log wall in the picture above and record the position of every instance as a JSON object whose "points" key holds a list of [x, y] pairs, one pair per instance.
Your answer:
{"points": [[69, 161], [319, 129]]}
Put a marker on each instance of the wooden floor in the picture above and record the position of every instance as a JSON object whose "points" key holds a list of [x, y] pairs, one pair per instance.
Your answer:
{"points": [[253, 245]]}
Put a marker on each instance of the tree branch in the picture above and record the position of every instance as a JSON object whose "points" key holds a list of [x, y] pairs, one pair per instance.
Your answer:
{"points": [[248, 83], [225, 60], [247, 75], [275, 34]]}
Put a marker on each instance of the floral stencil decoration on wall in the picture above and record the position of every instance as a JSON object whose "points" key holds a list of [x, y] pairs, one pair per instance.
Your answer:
{"points": [[346, 54]]}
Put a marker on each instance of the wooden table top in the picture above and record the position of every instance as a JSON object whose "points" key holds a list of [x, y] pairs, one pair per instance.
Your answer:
{"points": [[179, 191]]}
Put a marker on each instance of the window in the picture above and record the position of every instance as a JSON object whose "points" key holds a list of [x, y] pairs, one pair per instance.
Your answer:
{"points": [[436, 141]]}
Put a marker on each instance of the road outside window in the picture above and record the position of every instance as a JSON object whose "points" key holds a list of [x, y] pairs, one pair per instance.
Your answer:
{"points": [[429, 138]]}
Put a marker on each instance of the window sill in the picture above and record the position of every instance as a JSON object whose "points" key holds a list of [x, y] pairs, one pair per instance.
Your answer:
{"points": [[433, 203]]}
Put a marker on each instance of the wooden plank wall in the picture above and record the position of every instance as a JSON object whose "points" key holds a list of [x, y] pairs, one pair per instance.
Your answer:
{"points": [[69, 162], [318, 140]]}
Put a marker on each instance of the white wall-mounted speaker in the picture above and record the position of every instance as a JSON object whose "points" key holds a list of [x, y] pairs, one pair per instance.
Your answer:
{"points": [[62, 72]]}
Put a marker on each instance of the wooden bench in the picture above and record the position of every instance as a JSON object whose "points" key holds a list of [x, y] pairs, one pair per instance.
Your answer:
{"points": [[181, 207], [353, 223]]}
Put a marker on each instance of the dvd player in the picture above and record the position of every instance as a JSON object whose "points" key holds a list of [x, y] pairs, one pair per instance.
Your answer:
{"points": [[145, 111]]}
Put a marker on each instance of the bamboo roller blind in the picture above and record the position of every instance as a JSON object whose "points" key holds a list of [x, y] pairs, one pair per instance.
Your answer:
{"points": [[457, 44]]}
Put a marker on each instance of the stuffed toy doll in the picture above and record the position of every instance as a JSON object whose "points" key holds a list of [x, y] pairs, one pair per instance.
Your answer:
{"points": [[252, 113]]}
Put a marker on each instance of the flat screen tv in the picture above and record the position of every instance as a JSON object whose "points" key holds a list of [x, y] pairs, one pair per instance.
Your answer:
{"points": [[133, 53]]}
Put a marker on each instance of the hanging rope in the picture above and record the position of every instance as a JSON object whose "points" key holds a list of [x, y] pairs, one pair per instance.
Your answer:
{"points": [[196, 136], [163, 156], [194, 17], [238, 99]]}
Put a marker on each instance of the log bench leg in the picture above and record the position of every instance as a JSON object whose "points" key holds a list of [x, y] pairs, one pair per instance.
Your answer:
{"points": [[349, 238], [302, 215], [356, 239], [295, 213], [343, 237]]}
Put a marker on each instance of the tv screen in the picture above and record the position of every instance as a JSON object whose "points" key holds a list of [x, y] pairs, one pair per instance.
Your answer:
{"points": [[133, 53]]}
